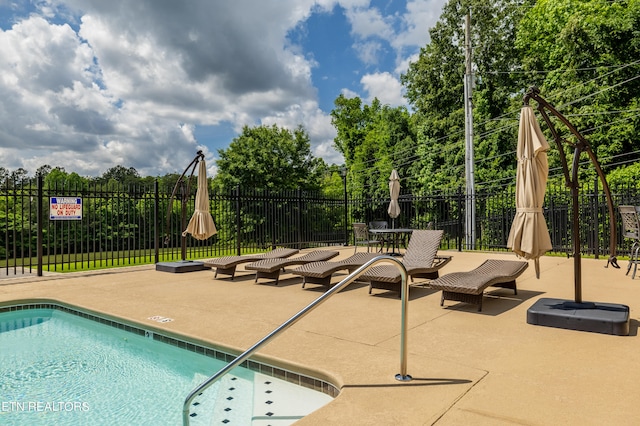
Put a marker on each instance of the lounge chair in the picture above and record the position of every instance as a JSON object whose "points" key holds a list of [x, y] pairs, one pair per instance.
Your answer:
{"points": [[321, 272], [227, 264], [420, 260], [270, 268], [469, 286]]}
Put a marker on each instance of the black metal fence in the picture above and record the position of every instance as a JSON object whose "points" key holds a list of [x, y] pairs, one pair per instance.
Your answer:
{"points": [[134, 225]]}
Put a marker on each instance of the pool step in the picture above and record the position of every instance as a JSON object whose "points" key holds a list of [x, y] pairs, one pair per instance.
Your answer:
{"points": [[227, 402], [262, 401], [18, 323], [279, 403]]}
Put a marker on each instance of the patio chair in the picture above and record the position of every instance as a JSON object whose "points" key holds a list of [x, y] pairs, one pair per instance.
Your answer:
{"points": [[384, 240], [321, 272], [270, 268], [227, 264], [631, 230], [468, 287], [362, 237], [420, 260]]}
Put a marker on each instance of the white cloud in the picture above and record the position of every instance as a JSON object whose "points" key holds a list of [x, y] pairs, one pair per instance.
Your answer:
{"points": [[349, 93], [368, 22], [419, 17], [129, 82], [403, 65], [368, 52], [128, 85], [403, 31], [385, 87]]}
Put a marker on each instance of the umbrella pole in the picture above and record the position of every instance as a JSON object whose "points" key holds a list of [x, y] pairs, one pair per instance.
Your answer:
{"points": [[183, 220], [577, 256]]}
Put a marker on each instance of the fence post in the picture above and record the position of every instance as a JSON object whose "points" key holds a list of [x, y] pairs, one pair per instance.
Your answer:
{"points": [[39, 224], [460, 223], [596, 224], [299, 218], [275, 223], [344, 185], [156, 234], [238, 242]]}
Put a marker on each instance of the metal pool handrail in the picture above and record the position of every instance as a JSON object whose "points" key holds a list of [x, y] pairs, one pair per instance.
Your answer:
{"points": [[404, 294]]}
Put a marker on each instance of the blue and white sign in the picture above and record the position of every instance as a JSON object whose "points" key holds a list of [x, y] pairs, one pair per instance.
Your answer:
{"points": [[65, 208]]}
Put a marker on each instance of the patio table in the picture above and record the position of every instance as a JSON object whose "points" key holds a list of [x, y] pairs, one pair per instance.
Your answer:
{"points": [[395, 232]]}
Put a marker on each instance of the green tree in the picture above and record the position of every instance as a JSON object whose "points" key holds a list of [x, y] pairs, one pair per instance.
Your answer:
{"points": [[120, 175], [59, 178], [351, 119], [625, 176], [43, 170], [435, 88], [4, 175], [271, 158], [19, 176], [333, 183], [589, 51], [168, 181], [374, 139]]}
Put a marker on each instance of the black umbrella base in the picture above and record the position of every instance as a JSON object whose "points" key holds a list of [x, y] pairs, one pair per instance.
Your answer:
{"points": [[180, 266], [606, 318]]}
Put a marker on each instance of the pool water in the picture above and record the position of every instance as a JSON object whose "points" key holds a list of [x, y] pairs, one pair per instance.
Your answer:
{"points": [[58, 368]]}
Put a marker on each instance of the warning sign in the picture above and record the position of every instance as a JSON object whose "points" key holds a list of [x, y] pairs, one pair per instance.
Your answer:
{"points": [[65, 208]]}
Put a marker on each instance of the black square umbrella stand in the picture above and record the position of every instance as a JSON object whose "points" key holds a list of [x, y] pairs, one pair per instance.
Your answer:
{"points": [[180, 266], [607, 318]]}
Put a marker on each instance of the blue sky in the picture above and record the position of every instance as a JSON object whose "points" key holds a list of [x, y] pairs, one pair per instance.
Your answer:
{"points": [[91, 84]]}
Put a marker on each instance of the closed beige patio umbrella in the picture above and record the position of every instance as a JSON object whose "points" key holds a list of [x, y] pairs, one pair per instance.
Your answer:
{"points": [[529, 235], [394, 193], [201, 224]]}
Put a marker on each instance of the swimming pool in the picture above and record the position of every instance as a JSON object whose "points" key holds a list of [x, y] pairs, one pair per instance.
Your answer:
{"points": [[61, 366]]}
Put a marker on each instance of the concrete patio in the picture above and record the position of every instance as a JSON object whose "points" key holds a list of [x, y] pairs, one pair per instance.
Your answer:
{"points": [[468, 367]]}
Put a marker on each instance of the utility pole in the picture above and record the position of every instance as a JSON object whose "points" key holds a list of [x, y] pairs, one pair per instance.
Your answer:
{"points": [[470, 199]]}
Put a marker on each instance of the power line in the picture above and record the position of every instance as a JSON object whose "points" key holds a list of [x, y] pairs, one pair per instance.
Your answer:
{"points": [[483, 135], [562, 70], [600, 91], [602, 112], [609, 124], [493, 131]]}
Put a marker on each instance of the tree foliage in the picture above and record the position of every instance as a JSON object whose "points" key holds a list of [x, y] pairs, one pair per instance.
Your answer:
{"points": [[57, 177], [435, 88], [121, 175], [590, 51], [374, 139], [272, 158], [583, 55]]}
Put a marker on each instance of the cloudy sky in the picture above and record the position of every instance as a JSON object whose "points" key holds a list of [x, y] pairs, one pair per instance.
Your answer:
{"points": [[91, 84]]}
